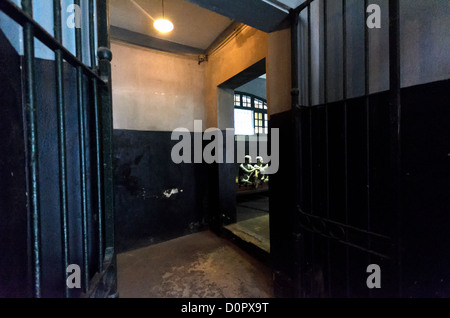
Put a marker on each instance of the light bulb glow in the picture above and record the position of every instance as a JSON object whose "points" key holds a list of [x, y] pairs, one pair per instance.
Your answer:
{"points": [[163, 25]]}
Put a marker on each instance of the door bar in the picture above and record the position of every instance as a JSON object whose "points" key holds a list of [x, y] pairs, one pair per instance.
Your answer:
{"points": [[105, 57], [82, 145], [98, 136], [61, 141], [32, 150]]}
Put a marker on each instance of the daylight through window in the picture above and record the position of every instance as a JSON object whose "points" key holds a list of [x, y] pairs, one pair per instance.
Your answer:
{"points": [[250, 114]]}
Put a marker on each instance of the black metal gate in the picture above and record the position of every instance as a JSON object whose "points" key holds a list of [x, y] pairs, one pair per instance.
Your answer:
{"points": [[69, 218], [336, 231], [350, 204]]}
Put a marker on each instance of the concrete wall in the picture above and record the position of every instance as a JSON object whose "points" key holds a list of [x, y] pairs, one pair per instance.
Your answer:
{"points": [[425, 41], [247, 48], [160, 91], [155, 91], [225, 108]]}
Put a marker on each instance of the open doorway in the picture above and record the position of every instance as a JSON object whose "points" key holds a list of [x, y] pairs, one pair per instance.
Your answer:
{"points": [[251, 185]]}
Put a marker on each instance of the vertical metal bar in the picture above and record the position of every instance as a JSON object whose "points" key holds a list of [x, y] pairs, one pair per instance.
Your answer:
{"points": [[32, 149], [105, 57], [344, 50], [92, 45], [325, 96], [395, 125], [311, 166], [309, 57], [105, 95], [61, 141], [325, 88], [297, 144], [295, 106], [368, 140], [82, 145], [311, 157], [294, 59], [98, 140], [344, 95], [295, 95]]}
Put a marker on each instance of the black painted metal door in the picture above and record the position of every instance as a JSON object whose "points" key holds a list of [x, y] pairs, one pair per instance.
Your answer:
{"points": [[360, 205], [346, 215], [67, 125]]}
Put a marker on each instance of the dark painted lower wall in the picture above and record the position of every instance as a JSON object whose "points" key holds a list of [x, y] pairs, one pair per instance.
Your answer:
{"points": [[143, 173], [426, 190]]}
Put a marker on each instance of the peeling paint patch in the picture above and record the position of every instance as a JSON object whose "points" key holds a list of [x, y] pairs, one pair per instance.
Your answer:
{"points": [[169, 193]]}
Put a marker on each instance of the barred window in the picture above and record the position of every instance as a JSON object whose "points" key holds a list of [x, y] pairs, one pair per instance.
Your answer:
{"points": [[250, 114], [246, 101]]}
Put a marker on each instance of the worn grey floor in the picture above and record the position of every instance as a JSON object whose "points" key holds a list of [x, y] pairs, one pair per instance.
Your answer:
{"points": [[201, 265], [251, 206], [253, 220], [255, 231]]}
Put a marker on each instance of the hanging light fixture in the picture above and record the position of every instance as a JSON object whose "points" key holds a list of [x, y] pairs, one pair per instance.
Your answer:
{"points": [[163, 25]]}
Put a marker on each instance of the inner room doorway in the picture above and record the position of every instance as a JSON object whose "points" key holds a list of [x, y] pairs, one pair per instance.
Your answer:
{"points": [[250, 224]]}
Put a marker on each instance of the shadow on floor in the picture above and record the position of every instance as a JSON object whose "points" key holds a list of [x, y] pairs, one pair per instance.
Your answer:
{"points": [[252, 206], [201, 265]]}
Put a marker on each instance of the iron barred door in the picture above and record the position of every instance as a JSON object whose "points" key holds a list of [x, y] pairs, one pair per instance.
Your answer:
{"points": [[366, 213], [56, 62]]}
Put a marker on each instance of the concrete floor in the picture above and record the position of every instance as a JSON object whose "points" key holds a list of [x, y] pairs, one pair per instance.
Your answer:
{"points": [[255, 231], [251, 206], [201, 265], [253, 220]]}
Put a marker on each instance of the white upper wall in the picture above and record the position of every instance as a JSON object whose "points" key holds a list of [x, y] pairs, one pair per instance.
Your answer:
{"points": [[155, 91]]}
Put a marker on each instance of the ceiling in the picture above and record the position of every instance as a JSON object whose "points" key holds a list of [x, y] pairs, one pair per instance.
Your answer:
{"points": [[198, 23], [194, 26], [287, 4]]}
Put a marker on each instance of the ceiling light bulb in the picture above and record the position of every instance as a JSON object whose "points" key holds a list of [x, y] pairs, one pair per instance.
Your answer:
{"points": [[163, 25]]}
